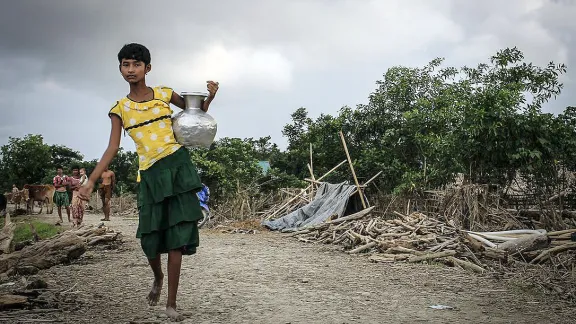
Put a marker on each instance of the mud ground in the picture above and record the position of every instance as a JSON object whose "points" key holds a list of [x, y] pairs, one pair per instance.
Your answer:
{"points": [[268, 278]]}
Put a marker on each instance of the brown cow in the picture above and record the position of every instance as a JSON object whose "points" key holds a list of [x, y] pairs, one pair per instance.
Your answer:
{"points": [[42, 194]]}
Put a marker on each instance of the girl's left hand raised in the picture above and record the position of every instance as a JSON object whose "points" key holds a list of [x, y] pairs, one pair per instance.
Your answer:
{"points": [[212, 88]]}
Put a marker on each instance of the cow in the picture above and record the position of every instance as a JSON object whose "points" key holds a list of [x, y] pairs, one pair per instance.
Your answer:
{"points": [[42, 194], [20, 197]]}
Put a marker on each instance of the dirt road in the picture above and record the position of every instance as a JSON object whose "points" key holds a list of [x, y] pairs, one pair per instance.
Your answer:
{"points": [[266, 278]]}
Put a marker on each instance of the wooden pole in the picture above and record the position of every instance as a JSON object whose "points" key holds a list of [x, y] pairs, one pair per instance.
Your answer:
{"points": [[311, 169], [313, 185], [331, 170], [367, 182], [352, 169], [311, 162]]}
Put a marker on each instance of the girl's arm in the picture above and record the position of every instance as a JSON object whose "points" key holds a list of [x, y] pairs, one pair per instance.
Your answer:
{"points": [[110, 153], [179, 102]]}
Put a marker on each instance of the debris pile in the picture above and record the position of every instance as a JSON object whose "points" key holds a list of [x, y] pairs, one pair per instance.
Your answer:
{"points": [[418, 238]]}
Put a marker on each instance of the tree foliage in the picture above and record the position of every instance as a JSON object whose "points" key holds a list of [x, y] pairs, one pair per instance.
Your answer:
{"points": [[421, 127]]}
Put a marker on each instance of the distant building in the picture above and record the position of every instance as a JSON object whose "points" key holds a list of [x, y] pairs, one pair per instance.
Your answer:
{"points": [[265, 165]]}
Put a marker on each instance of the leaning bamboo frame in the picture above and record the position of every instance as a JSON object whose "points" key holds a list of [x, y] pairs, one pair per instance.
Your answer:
{"points": [[358, 187], [304, 190]]}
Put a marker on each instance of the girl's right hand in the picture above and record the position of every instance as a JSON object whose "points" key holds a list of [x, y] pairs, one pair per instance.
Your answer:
{"points": [[85, 191]]}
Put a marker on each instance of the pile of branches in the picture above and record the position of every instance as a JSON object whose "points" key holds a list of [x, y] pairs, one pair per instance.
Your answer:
{"points": [[419, 238], [473, 206], [248, 204]]}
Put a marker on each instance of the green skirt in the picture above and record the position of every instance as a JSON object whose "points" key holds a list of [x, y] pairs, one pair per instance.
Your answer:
{"points": [[168, 208]]}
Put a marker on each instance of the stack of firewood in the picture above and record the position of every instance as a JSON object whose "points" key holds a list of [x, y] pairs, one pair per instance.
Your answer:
{"points": [[417, 238]]}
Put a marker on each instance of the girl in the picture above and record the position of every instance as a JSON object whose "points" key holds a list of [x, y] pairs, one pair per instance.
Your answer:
{"points": [[168, 209]]}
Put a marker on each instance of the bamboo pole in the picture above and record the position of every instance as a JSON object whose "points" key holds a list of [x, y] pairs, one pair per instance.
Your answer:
{"points": [[352, 169], [314, 179], [367, 182], [311, 169]]}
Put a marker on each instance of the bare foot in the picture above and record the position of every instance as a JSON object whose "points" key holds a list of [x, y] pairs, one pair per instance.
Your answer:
{"points": [[154, 294], [174, 315]]}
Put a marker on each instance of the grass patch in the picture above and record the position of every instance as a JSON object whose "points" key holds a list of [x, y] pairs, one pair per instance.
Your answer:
{"points": [[23, 232]]}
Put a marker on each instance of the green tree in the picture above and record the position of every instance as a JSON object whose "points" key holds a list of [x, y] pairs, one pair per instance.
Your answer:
{"points": [[24, 161], [125, 167], [422, 126]]}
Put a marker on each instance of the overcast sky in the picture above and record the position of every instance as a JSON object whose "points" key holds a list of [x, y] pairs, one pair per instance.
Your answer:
{"points": [[59, 71]]}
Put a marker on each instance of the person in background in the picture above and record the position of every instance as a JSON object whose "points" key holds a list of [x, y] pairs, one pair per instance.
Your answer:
{"points": [[61, 199], [15, 192], [77, 204], [108, 182]]}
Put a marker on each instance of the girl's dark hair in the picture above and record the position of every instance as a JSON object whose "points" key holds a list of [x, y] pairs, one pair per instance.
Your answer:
{"points": [[136, 52]]}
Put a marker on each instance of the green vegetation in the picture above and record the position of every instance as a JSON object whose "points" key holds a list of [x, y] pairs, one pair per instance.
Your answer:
{"points": [[421, 127], [23, 232]]}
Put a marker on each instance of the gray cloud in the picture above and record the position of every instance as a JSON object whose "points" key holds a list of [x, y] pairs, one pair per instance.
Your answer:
{"points": [[59, 68]]}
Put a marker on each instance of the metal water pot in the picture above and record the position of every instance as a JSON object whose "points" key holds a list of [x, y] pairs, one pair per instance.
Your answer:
{"points": [[192, 126]]}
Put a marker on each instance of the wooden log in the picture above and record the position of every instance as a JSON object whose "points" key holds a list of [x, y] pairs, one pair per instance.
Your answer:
{"points": [[381, 258], [443, 245], [558, 233], [403, 250], [431, 256], [8, 301], [47, 253], [472, 243], [546, 254], [385, 235], [358, 215], [525, 244], [7, 235], [363, 247], [406, 226], [495, 254], [466, 265]]}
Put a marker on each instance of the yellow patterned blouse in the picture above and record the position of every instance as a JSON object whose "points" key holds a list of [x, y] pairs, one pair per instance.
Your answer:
{"points": [[149, 123]]}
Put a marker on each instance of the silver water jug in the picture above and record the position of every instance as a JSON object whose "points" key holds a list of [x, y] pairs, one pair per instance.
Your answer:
{"points": [[192, 126]]}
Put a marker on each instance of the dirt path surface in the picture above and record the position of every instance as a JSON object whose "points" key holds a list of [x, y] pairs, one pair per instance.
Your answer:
{"points": [[267, 278]]}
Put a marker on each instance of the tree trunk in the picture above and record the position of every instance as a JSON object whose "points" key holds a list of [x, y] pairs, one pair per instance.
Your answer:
{"points": [[44, 254], [7, 235], [525, 244]]}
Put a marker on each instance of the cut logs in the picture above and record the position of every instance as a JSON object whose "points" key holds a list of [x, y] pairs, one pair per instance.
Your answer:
{"points": [[44, 254], [59, 249], [418, 238]]}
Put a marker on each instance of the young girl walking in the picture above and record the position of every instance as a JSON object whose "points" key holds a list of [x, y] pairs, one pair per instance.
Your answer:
{"points": [[168, 208]]}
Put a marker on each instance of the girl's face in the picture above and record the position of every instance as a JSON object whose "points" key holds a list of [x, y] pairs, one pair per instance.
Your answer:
{"points": [[133, 71], [82, 172]]}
